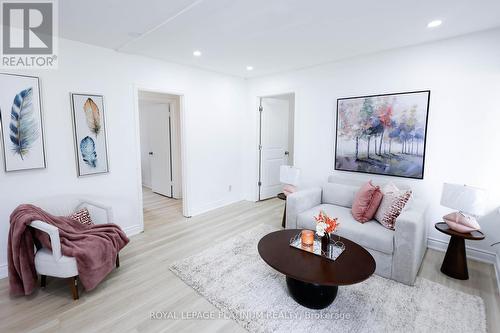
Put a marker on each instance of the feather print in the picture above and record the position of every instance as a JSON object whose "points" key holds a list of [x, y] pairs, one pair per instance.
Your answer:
{"points": [[87, 148], [93, 116], [23, 125]]}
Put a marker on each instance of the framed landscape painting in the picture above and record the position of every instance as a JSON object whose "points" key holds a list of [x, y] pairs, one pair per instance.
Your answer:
{"points": [[21, 122], [90, 134], [383, 134]]}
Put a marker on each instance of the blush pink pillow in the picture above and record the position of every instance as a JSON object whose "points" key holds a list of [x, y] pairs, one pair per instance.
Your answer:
{"points": [[461, 223], [289, 189], [366, 202]]}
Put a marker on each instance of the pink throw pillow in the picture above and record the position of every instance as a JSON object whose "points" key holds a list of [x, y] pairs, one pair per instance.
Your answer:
{"points": [[461, 223], [289, 189], [366, 202]]}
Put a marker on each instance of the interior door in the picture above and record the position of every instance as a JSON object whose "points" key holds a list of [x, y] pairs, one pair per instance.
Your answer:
{"points": [[274, 144], [160, 143]]}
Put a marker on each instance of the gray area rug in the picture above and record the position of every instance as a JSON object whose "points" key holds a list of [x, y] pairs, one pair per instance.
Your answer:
{"points": [[233, 277]]}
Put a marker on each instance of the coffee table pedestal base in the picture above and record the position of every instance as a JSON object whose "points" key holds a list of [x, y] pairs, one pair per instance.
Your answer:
{"points": [[312, 296]]}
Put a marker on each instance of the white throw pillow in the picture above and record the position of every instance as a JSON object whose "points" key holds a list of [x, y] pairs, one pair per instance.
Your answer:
{"points": [[393, 203]]}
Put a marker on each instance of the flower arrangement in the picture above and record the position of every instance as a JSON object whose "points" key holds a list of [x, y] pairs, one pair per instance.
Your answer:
{"points": [[325, 224]]}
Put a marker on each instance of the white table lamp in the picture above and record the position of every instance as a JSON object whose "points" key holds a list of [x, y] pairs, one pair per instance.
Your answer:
{"points": [[469, 201]]}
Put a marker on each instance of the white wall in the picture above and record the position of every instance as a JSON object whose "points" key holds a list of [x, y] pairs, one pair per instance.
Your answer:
{"points": [[213, 110], [175, 118], [291, 128], [463, 139]]}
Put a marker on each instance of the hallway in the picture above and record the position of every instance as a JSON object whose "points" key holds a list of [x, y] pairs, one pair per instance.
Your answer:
{"points": [[159, 209]]}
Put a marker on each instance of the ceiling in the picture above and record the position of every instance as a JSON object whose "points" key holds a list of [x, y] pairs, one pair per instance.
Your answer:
{"points": [[270, 35]]}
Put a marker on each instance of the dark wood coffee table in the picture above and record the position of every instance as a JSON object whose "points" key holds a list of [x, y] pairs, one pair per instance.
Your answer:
{"points": [[313, 280]]}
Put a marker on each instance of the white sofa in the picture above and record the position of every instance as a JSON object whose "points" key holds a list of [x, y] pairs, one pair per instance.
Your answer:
{"points": [[398, 253]]}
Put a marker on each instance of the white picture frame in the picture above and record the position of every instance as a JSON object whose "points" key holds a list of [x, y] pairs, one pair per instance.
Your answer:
{"points": [[21, 122], [89, 128]]}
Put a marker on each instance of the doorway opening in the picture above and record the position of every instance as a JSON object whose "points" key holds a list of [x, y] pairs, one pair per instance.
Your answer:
{"points": [[160, 145], [276, 141]]}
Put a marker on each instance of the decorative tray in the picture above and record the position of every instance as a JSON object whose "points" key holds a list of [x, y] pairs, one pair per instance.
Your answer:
{"points": [[335, 248]]}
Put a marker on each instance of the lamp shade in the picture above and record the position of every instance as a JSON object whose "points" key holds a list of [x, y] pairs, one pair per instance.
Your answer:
{"points": [[289, 175], [467, 199]]}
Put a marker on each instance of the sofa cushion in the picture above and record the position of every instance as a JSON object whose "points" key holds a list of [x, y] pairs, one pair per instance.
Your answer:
{"points": [[371, 234], [46, 264], [339, 194]]}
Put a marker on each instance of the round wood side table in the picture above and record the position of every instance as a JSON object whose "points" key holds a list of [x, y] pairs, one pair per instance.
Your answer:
{"points": [[455, 260]]}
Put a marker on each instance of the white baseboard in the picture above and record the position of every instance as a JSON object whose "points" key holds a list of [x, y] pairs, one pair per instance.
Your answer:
{"points": [[213, 205], [133, 230], [472, 253], [3, 271]]}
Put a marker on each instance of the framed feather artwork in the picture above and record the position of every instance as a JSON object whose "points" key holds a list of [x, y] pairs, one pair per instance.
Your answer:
{"points": [[90, 134], [21, 122]]}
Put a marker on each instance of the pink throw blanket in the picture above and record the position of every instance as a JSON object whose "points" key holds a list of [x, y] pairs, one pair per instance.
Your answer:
{"points": [[94, 247]]}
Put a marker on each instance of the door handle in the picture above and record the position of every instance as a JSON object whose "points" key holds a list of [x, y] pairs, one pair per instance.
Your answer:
{"points": [[150, 153], [287, 153]]}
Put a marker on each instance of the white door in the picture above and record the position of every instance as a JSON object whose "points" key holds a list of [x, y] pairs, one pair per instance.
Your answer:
{"points": [[160, 143], [274, 141]]}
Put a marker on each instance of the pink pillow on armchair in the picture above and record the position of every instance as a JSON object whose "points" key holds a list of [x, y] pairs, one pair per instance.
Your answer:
{"points": [[366, 202]]}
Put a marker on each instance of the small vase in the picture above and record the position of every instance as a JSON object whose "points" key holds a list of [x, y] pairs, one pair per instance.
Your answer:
{"points": [[325, 240]]}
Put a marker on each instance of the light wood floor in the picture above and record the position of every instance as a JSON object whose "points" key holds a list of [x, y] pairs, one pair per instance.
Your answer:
{"points": [[143, 283]]}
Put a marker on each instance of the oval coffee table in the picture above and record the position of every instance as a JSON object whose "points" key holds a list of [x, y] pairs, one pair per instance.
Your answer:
{"points": [[313, 280]]}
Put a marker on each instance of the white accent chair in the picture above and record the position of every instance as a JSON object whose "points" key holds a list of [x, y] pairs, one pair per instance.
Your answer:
{"points": [[54, 263]]}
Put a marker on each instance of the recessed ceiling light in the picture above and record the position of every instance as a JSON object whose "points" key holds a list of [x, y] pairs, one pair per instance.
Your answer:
{"points": [[249, 68], [197, 53], [434, 24]]}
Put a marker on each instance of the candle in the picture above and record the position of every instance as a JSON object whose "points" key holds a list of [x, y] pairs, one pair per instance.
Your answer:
{"points": [[307, 237]]}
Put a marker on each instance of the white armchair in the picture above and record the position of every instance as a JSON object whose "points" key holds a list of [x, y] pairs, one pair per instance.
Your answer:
{"points": [[54, 263]]}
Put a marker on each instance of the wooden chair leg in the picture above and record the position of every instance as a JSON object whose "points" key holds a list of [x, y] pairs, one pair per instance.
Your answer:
{"points": [[43, 281], [117, 260], [74, 286]]}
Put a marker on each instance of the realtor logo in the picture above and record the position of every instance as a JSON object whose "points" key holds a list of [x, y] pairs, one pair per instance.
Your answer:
{"points": [[29, 34]]}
